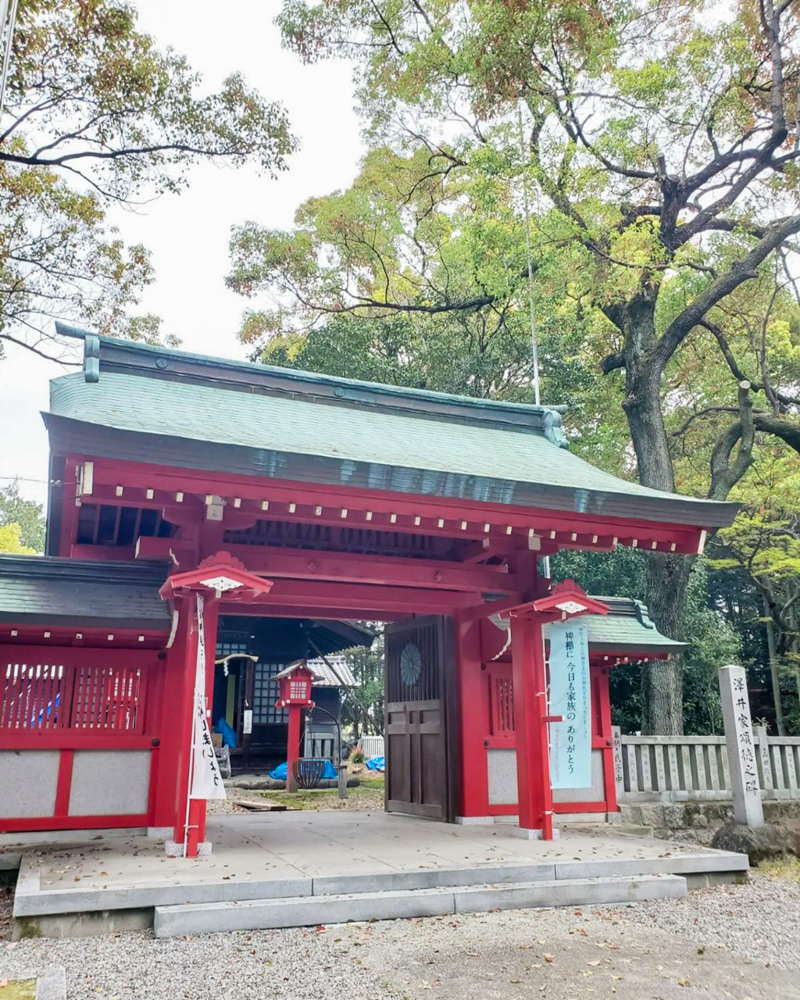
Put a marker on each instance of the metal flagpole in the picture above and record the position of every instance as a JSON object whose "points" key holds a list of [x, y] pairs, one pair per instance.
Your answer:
{"points": [[531, 306], [9, 34]]}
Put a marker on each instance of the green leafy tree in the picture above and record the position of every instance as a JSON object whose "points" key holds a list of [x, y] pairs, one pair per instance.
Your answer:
{"points": [[764, 546], [362, 706], [22, 518], [96, 114], [653, 143]]}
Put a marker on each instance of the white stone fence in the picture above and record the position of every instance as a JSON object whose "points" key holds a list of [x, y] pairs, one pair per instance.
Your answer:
{"points": [[677, 768], [371, 746]]}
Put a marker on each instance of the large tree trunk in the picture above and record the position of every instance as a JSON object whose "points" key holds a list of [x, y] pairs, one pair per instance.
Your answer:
{"points": [[667, 576], [662, 680]]}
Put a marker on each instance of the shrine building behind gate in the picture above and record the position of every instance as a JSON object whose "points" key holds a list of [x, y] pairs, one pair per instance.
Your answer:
{"points": [[320, 501]]}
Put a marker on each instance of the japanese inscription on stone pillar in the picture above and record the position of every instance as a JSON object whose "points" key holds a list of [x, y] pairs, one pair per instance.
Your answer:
{"points": [[619, 767], [742, 764]]}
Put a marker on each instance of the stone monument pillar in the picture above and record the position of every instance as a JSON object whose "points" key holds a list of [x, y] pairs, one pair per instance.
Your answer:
{"points": [[742, 763]]}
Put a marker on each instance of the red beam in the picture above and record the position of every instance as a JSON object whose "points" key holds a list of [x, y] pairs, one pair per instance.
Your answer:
{"points": [[72, 822], [301, 593], [452, 510], [301, 564], [72, 739], [298, 511], [314, 611], [33, 636]]}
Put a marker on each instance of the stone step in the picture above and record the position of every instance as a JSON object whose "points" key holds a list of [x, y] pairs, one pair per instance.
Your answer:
{"points": [[305, 911]]}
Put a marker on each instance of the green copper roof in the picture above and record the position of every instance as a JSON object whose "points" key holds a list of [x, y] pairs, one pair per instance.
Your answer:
{"points": [[167, 407], [627, 627]]}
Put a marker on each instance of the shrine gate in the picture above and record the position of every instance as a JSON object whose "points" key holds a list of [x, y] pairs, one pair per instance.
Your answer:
{"points": [[284, 495]]}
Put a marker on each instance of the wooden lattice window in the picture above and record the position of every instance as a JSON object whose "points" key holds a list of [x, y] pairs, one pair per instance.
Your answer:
{"points": [[266, 691], [501, 698], [33, 696], [107, 698], [49, 697]]}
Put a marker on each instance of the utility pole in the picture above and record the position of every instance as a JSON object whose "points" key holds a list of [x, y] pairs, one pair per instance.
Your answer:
{"points": [[7, 21]]}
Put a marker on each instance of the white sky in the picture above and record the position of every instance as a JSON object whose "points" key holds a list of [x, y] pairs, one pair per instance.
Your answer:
{"points": [[188, 234]]}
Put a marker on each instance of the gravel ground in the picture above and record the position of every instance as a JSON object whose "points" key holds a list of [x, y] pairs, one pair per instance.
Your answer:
{"points": [[759, 921], [728, 942]]}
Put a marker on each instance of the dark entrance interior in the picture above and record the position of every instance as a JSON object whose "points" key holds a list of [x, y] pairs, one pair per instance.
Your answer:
{"points": [[245, 690]]}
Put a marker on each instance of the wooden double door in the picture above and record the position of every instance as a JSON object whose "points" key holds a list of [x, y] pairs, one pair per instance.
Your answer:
{"points": [[421, 726]]}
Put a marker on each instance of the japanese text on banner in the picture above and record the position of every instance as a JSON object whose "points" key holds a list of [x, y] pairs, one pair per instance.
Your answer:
{"points": [[206, 779], [570, 697]]}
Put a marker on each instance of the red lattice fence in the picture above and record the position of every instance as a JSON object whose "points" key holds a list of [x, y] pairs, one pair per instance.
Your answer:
{"points": [[82, 698]]}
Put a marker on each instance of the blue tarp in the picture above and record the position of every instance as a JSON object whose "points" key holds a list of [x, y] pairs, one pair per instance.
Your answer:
{"points": [[228, 734], [279, 773], [376, 764], [49, 711]]}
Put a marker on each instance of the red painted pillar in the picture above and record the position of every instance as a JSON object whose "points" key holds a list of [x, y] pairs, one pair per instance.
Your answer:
{"points": [[605, 734], [530, 713], [473, 710], [170, 808], [173, 763], [184, 720], [293, 745]]}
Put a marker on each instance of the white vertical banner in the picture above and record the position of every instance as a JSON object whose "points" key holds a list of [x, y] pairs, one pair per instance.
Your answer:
{"points": [[206, 780], [570, 697]]}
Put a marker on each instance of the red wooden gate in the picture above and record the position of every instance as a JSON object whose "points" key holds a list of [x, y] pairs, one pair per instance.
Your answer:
{"points": [[420, 733]]}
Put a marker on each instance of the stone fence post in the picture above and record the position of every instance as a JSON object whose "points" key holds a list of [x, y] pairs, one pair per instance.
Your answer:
{"points": [[742, 764]]}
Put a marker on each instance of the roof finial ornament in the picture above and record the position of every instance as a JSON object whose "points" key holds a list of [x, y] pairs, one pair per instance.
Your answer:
{"points": [[91, 358]]}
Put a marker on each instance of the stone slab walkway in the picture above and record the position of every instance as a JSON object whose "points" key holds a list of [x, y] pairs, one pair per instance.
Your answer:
{"points": [[312, 845]]}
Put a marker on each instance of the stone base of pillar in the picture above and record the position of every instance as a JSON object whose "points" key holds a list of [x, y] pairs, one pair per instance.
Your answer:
{"points": [[475, 820], [160, 832], [526, 834], [175, 850]]}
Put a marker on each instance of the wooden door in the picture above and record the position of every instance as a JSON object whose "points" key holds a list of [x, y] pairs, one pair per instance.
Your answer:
{"points": [[421, 737]]}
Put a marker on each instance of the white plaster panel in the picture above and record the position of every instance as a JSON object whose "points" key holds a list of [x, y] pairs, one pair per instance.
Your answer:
{"points": [[502, 768], [110, 782], [596, 793], [28, 781]]}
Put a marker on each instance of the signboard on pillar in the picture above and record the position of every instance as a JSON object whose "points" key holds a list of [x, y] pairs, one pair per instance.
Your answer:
{"points": [[570, 697]]}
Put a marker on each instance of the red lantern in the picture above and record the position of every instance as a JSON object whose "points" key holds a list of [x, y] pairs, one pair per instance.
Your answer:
{"points": [[295, 685]]}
